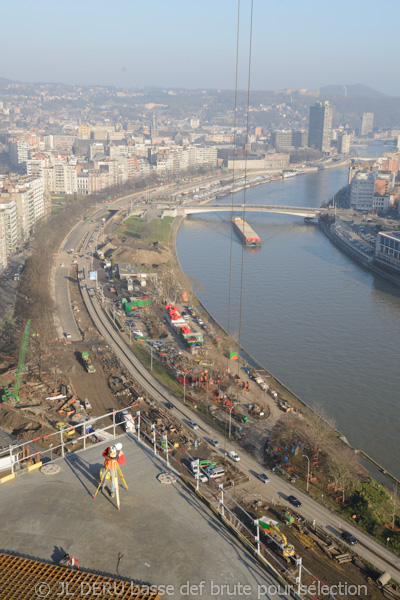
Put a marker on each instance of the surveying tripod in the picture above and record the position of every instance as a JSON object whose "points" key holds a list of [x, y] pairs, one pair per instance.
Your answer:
{"points": [[113, 474]]}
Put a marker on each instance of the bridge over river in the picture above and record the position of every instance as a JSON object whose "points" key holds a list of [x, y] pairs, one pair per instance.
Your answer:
{"points": [[299, 211]]}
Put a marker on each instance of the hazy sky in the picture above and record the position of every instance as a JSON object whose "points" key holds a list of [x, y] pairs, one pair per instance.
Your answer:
{"points": [[192, 43]]}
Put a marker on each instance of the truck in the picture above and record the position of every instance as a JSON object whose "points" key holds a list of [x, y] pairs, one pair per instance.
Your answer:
{"points": [[128, 421], [237, 430], [88, 363], [195, 469], [69, 431]]}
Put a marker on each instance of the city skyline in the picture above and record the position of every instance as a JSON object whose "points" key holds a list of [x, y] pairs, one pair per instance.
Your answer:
{"points": [[180, 45]]}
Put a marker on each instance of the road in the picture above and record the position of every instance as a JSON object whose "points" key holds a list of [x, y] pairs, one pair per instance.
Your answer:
{"points": [[278, 488]]}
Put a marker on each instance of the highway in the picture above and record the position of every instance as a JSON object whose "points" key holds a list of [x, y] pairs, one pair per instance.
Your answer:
{"points": [[278, 489]]}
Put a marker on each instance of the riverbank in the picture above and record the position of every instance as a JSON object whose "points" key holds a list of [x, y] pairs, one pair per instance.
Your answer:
{"points": [[387, 478], [358, 256]]}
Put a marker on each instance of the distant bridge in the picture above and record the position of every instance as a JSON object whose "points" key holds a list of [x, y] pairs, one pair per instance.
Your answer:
{"points": [[298, 211]]}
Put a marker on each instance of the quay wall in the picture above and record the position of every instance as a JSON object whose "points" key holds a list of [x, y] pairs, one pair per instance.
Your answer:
{"points": [[253, 361]]}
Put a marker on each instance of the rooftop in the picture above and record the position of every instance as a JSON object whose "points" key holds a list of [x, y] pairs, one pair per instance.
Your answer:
{"points": [[163, 534]]}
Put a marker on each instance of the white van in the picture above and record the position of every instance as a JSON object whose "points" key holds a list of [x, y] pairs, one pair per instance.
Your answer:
{"points": [[194, 467], [214, 472]]}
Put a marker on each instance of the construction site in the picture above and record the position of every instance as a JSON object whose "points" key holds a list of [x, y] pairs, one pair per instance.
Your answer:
{"points": [[63, 402]]}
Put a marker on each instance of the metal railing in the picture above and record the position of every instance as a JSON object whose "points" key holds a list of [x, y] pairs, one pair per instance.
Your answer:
{"points": [[17, 454], [161, 446]]}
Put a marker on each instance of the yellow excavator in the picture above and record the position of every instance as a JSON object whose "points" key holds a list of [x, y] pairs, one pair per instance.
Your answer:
{"points": [[271, 527]]}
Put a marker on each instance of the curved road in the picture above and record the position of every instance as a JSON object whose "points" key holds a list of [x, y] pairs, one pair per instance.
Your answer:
{"points": [[278, 489]]}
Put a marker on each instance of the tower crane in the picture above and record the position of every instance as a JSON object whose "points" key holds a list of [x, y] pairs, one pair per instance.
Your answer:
{"points": [[11, 395]]}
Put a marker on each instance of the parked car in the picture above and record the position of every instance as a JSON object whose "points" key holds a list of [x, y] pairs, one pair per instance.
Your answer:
{"points": [[294, 501], [163, 336], [262, 477], [346, 536], [233, 456]]}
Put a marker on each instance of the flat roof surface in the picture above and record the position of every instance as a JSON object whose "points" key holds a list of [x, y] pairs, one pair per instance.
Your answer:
{"points": [[163, 534]]}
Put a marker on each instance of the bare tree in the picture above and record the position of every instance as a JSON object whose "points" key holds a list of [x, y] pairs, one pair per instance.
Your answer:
{"points": [[344, 468], [321, 429], [289, 432]]}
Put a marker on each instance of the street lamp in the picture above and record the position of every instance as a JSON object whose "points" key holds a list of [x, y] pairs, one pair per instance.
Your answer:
{"points": [[308, 468]]}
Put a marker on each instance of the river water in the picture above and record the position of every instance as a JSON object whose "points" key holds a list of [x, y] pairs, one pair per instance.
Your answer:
{"points": [[321, 323]]}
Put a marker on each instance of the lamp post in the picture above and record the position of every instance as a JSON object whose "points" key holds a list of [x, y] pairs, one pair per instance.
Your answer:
{"points": [[308, 468]]}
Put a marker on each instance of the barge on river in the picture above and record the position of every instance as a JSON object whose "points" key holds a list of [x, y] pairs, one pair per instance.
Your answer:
{"points": [[246, 233]]}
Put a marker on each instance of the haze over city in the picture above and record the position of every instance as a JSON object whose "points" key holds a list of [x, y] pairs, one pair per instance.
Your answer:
{"points": [[193, 45]]}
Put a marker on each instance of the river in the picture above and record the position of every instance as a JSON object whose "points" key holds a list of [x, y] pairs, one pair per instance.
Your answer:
{"points": [[322, 324]]}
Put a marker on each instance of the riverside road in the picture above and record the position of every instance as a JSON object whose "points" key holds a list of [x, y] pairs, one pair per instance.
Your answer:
{"points": [[277, 488]]}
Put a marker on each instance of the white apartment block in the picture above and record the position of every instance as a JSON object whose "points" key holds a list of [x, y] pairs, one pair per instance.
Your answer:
{"points": [[178, 158], [362, 191], [28, 195], [61, 178], [3, 242], [382, 203], [343, 143], [19, 153], [9, 218], [35, 166]]}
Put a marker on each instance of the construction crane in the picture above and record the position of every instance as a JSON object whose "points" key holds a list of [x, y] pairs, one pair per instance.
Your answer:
{"points": [[11, 395]]}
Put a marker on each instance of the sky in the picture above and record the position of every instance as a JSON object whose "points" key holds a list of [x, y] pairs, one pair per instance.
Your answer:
{"points": [[192, 43]]}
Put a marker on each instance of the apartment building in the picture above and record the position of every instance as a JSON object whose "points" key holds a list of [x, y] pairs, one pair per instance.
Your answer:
{"points": [[27, 192], [3, 244], [362, 190], [9, 224], [19, 153], [287, 139], [367, 124], [177, 159], [343, 143], [387, 249], [60, 178]]}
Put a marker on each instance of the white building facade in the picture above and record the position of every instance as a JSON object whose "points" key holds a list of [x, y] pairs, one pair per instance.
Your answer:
{"points": [[362, 191]]}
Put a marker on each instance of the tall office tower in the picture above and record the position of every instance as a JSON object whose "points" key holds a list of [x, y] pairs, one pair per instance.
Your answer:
{"points": [[154, 128], [343, 143], [320, 127], [367, 124]]}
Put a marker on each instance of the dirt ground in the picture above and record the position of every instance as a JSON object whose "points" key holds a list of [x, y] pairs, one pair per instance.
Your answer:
{"points": [[140, 253]]}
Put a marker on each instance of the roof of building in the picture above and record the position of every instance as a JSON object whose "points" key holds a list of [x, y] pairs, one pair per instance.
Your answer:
{"points": [[163, 534], [126, 269]]}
